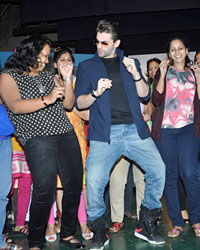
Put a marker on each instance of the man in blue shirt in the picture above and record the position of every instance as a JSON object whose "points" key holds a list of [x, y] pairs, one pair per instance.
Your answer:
{"points": [[111, 86]]}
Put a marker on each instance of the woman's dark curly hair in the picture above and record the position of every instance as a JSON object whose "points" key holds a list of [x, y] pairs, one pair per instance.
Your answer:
{"points": [[183, 40], [26, 54]]}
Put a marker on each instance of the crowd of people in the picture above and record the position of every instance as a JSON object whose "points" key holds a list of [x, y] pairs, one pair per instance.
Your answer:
{"points": [[151, 122]]}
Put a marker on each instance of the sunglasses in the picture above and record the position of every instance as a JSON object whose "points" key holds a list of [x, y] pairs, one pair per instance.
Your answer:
{"points": [[103, 43]]}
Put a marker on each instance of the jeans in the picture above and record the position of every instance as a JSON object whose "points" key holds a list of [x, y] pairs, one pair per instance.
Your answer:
{"points": [[5, 182], [179, 149], [47, 156], [124, 140]]}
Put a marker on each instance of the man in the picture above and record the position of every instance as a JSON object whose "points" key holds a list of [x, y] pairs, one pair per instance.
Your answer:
{"points": [[111, 86]]}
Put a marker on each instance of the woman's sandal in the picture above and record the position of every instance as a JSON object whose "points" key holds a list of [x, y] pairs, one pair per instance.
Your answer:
{"points": [[175, 232], [51, 238], [116, 227], [70, 243], [196, 228]]}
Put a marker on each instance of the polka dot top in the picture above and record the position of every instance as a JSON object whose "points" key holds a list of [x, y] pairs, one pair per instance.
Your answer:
{"points": [[51, 120]]}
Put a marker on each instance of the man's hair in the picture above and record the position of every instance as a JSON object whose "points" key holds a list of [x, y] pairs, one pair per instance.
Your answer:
{"points": [[109, 27]]}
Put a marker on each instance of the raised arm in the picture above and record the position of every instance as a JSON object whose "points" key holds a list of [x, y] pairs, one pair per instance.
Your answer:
{"points": [[141, 86]]}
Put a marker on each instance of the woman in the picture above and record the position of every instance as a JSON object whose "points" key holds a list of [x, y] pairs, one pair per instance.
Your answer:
{"points": [[36, 103], [152, 66], [6, 129], [176, 131], [76, 118]]}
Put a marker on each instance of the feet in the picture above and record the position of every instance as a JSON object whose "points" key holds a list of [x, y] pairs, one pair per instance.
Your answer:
{"points": [[72, 242], [51, 238], [185, 216], [197, 229], [175, 232], [51, 233], [86, 233], [99, 241], [153, 238], [20, 230], [116, 227], [130, 216]]}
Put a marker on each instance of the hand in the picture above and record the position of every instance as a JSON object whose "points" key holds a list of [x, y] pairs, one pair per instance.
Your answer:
{"points": [[103, 84], [57, 92], [196, 69], [66, 69], [163, 67], [130, 66]]}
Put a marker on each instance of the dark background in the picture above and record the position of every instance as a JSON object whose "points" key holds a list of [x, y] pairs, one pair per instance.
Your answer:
{"points": [[146, 26]]}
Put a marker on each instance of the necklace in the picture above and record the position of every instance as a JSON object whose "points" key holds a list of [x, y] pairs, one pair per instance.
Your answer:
{"points": [[41, 87]]}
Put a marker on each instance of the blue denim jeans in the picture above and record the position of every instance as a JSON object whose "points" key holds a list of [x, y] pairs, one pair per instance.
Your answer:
{"points": [[179, 149], [48, 156], [5, 181], [124, 140]]}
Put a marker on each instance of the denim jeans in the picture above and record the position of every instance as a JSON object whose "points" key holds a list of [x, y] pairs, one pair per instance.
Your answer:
{"points": [[124, 140], [47, 156], [5, 181], [179, 149]]}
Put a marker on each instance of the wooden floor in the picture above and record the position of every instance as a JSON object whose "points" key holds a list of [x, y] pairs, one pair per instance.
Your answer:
{"points": [[125, 239]]}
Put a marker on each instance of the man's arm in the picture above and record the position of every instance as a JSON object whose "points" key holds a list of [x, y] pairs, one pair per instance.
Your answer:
{"points": [[141, 86]]}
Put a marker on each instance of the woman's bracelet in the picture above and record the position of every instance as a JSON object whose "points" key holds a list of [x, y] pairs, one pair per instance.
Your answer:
{"points": [[43, 101]]}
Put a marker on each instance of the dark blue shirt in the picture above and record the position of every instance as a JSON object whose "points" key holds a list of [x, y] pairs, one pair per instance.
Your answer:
{"points": [[88, 74]]}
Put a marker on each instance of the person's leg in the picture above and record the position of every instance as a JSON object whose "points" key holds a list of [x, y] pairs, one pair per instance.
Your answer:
{"points": [[24, 193], [102, 156], [188, 148], [118, 179], [140, 187], [128, 194], [42, 158], [50, 234], [168, 149], [82, 217], [146, 155], [182, 200], [5, 182], [70, 170]]}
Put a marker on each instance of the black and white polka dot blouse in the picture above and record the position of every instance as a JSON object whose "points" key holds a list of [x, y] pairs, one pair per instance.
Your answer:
{"points": [[51, 120]]}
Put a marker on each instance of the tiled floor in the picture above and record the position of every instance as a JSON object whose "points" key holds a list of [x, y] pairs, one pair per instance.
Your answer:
{"points": [[125, 239]]}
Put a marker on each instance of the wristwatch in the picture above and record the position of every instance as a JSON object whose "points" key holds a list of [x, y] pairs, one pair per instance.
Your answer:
{"points": [[93, 94]]}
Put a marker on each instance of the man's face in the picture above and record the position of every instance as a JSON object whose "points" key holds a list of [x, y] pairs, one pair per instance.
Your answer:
{"points": [[105, 45]]}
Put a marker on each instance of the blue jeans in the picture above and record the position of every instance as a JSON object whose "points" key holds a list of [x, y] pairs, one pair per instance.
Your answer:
{"points": [[5, 181], [48, 156], [124, 140], [179, 149]]}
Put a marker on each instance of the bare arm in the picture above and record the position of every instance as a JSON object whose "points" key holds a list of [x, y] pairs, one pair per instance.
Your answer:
{"points": [[141, 86], [84, 115], [9, 91], [197, 75], [85, 101], [163, 69]]}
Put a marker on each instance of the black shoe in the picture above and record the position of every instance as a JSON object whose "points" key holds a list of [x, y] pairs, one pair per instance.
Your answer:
{"points": [[152, 238], [74, 245], [99, 241]]}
